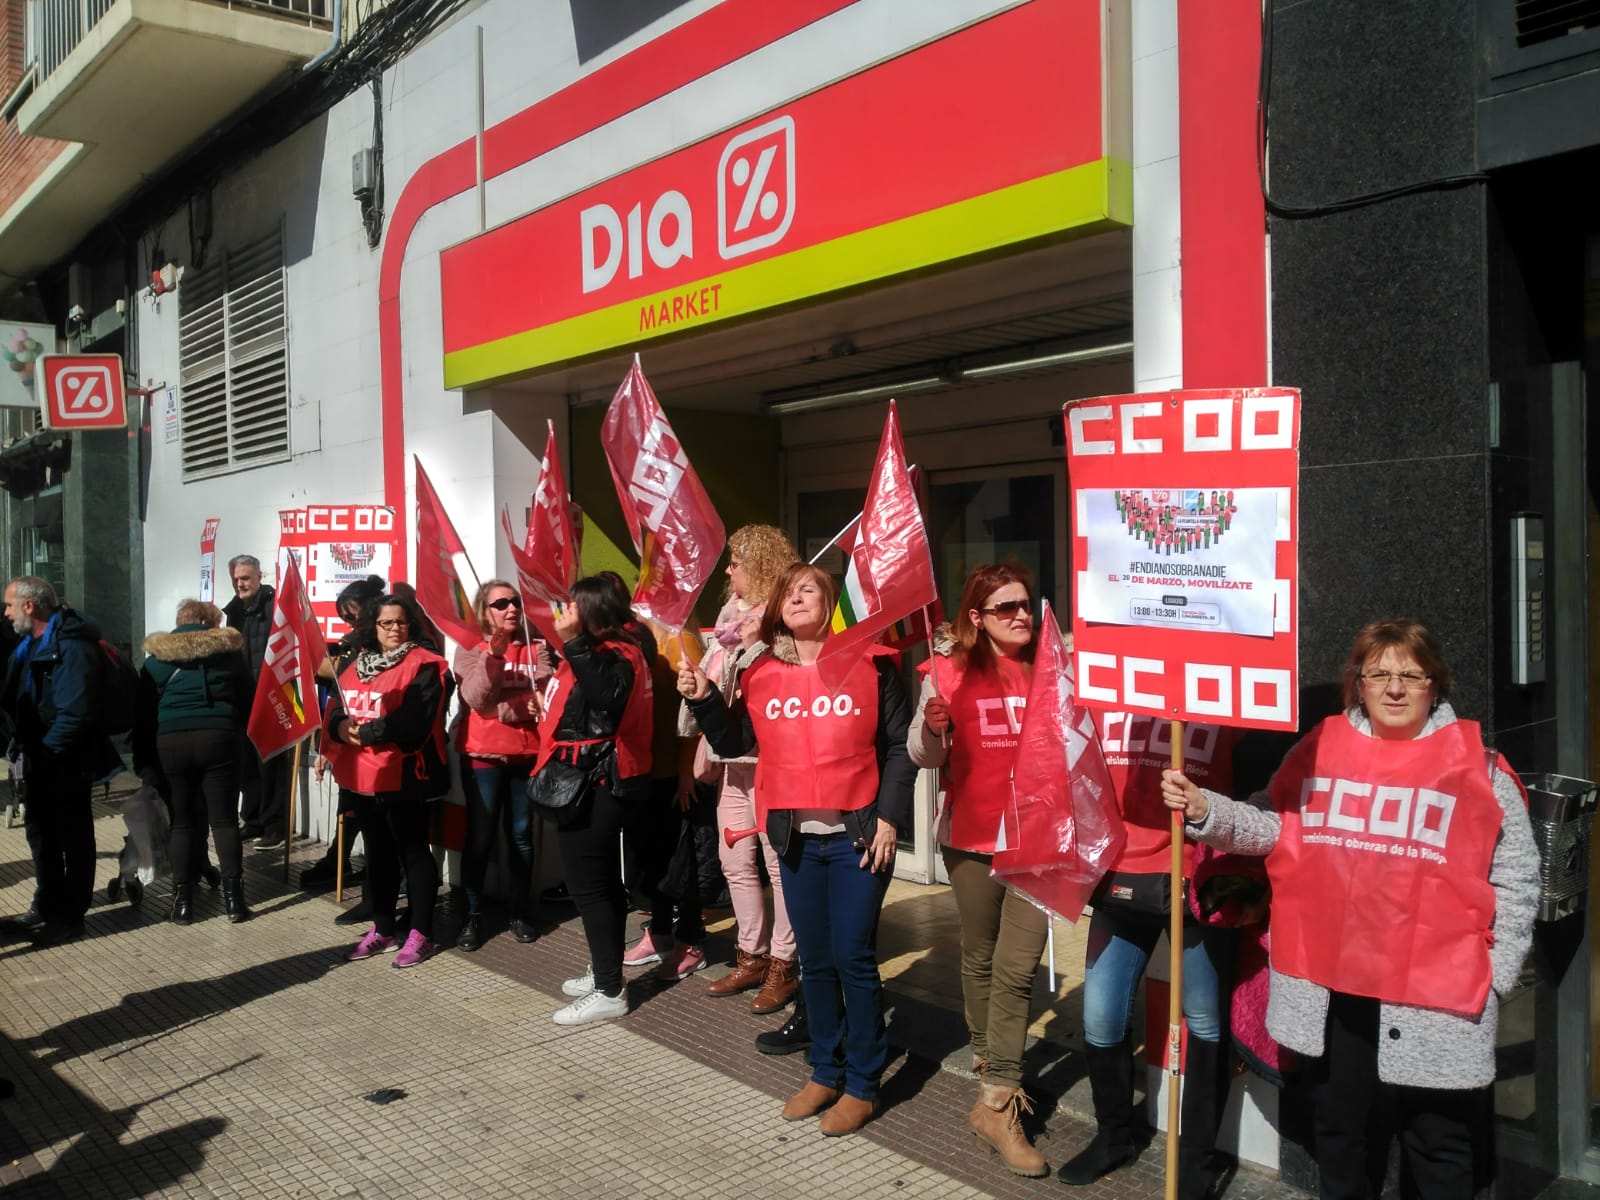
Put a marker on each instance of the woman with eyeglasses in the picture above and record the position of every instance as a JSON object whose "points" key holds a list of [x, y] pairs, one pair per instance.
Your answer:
{"points": [[834, 784], [383, 734], [969, 714], [498, 741], [1404, 882]]}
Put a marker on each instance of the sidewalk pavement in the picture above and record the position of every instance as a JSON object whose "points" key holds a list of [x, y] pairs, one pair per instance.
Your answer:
{"points": [[251, 1061]]}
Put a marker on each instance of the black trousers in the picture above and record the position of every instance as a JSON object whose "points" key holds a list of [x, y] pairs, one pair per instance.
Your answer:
{"points": [[60, 830], [202, 771], [1355, 1114], [265, 785], [591, 862], [396, 830]]}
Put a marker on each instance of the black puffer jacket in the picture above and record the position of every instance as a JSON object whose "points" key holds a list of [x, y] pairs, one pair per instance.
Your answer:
{"points": [[254, 621]]}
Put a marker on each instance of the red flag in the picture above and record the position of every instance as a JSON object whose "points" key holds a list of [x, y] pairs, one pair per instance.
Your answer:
{"points": [[540, 597], [889, 572], [677, 533], [284, 711], [1061, 830], [547, 562], [440, 560]]}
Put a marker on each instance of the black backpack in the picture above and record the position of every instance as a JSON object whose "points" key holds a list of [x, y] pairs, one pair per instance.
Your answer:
{"points": [[119, 690]]}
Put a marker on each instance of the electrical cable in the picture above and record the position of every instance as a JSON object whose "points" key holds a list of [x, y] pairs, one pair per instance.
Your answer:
{"points": [[1279, 208]]}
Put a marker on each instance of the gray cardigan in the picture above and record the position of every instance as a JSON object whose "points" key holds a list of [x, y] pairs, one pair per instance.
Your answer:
{"points": [[1417, 1047]]}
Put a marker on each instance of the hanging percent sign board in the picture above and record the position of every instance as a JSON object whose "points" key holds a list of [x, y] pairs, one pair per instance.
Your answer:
{"points": [[1185, 520]]}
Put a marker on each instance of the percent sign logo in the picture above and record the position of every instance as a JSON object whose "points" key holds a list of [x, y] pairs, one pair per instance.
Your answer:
{"points": [[84, 392], [755, 188]]}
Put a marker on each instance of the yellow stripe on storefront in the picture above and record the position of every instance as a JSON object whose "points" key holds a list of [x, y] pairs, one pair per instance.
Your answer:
{"points": [[1081, 199]]}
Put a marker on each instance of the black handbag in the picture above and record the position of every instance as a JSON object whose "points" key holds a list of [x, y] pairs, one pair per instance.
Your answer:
{"points": [[564, 785], [1125, 892]]}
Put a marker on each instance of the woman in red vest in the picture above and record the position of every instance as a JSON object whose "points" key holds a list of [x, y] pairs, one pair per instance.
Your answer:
{"points": [[973, 697], [1404, 882], [834, 784], [383, 734], [498, 738], [598, 705]]}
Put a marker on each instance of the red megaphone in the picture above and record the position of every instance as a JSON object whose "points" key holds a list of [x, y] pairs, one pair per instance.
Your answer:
{"points": [[734, 836]]}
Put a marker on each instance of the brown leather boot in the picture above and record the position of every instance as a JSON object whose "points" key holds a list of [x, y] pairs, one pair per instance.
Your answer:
{"points": [[847, 1115], [997, 1120], [778, 989], [749, 971], [809, 1101]]}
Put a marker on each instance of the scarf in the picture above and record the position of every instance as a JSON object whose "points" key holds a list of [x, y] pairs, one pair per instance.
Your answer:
{"points": [[372, 663], [733, 618]]}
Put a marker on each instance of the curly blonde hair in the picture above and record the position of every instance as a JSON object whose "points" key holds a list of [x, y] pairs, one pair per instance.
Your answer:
{"points": [[199, 612], [764, 551]]}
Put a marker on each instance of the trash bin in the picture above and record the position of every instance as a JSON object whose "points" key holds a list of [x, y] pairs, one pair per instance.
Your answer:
{"points": [[1561, 810]]}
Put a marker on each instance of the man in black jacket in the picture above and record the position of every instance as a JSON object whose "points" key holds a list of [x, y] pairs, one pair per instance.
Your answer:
{"points": [[51, 698], [265, 785]]}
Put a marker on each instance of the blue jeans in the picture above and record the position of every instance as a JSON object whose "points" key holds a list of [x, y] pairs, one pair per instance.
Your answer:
{"points": [[1119, 947], [497, 796], [834, 905]]}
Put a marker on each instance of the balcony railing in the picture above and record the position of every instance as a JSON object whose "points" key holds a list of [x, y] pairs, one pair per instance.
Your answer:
{"points": [[55, 27]]}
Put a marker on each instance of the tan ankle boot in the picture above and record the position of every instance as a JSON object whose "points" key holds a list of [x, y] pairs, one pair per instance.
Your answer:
{"points": [[997, 1121], [778, 988], [749, 971]]}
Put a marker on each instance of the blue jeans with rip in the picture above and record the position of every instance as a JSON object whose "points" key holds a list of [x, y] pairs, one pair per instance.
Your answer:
{"points": [[1119, 948], [834, 905]]}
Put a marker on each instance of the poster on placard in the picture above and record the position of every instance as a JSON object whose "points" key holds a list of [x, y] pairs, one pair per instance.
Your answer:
{"points": [[22, 344], [336, 545], [1182, 558], [1184, 510], [208, 558]]}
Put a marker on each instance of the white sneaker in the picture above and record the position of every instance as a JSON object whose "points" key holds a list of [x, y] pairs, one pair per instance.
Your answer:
{"points": [[596, 1006], [580, 985]]}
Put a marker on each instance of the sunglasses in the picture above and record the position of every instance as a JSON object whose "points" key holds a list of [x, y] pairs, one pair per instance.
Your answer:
{"points": [[1006, 609], [504, 603]]}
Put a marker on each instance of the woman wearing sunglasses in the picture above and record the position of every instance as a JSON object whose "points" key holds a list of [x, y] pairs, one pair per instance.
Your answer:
{"points": [[498, 740], [968, 717], [1404, 882], [834, 784], [383, 734]]}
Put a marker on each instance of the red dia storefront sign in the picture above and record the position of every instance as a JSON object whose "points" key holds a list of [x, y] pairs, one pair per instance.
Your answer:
{"points": [[82, 391], [1185, 518], [986, 138]]}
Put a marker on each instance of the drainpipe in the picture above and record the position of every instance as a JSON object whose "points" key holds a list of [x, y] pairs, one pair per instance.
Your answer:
{"points": [[338, 38]]}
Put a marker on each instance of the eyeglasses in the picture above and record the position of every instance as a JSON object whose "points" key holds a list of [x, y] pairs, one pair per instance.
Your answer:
{"points": [[1006, 609], [504, 603], [394, 624], [1414, 681]]}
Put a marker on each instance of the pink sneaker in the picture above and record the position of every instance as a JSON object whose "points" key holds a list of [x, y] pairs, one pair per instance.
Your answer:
{"points": [[681, 962], [643, 952], [373, 943], [414, 951]]}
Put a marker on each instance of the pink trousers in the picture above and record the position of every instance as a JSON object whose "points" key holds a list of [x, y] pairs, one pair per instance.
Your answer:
{"points": [[736, 809]]}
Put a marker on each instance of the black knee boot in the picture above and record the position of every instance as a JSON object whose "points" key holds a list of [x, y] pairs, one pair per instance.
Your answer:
{"points": [[182, 903], [233, 900], [1206, 1079], [1111, 1081]]}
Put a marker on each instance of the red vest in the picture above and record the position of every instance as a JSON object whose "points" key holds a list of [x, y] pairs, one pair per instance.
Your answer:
{"points": [[633, 731], [1380, 878], [486, 735], [373, 770], [1137, 749], [985, 720], [816, 749]]}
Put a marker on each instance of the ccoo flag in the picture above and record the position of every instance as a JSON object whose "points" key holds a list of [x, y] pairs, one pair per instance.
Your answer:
{"points": [[440, 560], [889, 574], [1061, 829], [547, 561], [284, 711], [677, 533]]}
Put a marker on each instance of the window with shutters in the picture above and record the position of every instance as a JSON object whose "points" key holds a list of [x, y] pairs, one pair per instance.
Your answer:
{"points": [[233, 350]]}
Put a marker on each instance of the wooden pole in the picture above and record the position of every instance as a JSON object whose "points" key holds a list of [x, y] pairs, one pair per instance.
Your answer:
{"points": [[1175, 973], [338, 864], [288, 812]]}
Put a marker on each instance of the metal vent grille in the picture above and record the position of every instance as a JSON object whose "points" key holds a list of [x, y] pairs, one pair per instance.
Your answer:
{"points": [[233, 351], [1546, 20]]}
